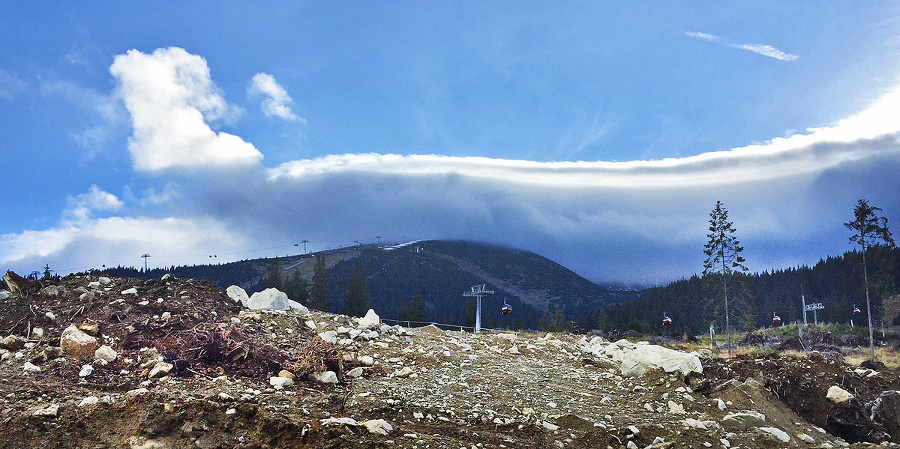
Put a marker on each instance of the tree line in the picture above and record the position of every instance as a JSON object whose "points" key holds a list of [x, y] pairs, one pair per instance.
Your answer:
{"points": [[727, 297]]}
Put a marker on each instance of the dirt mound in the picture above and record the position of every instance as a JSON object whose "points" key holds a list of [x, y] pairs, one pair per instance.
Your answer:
{"points": [[801, 382], [191, 325], [391, 387]]}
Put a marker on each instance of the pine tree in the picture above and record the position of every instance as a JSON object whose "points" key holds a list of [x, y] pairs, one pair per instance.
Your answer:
{"points": [[297, 288], [414, 310], [356, 304], [869, 230], [319, 296], [723, 254], [274, 278]]}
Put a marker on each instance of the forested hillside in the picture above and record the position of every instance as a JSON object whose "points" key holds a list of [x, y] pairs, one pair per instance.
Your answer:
{"points": [[695, 303], [422, 281]]}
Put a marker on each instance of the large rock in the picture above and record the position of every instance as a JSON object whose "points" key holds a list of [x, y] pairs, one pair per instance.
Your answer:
{"points": [[160, 369], [743, 420], [105, 354], [294, 305], [838, 395], [324, 377], [273, 299], [77, 344], [18, 284], [280, 382], [238, 294], [640, 358], [370, 320], [851, 421], [779, 434], [12, 342], [886, 412], [596, 347], [378, 426]]}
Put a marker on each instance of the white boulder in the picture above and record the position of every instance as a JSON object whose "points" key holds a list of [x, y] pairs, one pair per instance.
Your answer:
{"points": [[86, 371], [777, 433], [329, 336], [270, 298], [838, 395], [273, 299], [90, 400], [743, 420], [280, 382], [325, 377], [238, 294], [51, 410], [294, 305], [370, 320], [105, 354], [643, 357], [339, 422], [378, 426]]}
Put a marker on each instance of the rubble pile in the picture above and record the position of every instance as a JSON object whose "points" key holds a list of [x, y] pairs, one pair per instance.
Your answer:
{"points": [[93, 361]]}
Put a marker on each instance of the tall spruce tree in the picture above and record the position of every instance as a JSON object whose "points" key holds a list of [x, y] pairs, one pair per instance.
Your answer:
{"points": [[869, 230], [275, 278], [723, 253], [356, 304], [297, 288], [414, 310], [319, 296]]}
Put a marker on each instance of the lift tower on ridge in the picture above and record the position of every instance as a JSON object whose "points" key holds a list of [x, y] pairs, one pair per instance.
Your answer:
{"points": [[478, 292]]}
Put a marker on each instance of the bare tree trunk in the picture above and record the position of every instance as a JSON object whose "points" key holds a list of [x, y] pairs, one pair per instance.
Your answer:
{"points": [[868, 302], [725, 291]]}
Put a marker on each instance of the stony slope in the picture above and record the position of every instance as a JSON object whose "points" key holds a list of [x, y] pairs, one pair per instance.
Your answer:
{"points": [[398, 387]]}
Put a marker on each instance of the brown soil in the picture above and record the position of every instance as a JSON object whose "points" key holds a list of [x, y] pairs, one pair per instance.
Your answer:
{"points": [[457, 389]]}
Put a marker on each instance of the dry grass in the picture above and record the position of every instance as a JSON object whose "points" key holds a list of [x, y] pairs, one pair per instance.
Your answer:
{"points": [[889, 356]]}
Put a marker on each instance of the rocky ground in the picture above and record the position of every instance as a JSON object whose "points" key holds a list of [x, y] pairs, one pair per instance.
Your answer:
{"points": [[176, 363]]}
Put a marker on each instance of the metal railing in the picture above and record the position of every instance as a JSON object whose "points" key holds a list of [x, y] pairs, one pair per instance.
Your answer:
{"points": [[445, 326]]}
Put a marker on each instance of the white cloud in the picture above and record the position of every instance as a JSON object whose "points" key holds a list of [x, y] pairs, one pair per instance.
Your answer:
{"points": [[82, 207], [107, 108], [277, 101], [92, 139], [762, 49], [117, 240], [171, 97], [706, 36], [783, 157], [11, 85], [83, 56], [767, 50]]}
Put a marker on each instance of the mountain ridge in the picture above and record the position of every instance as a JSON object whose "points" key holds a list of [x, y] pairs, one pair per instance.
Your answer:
{"points": [[440, 270]]}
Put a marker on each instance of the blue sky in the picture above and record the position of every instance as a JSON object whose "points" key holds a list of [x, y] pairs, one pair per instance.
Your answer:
{"points": [[598, 134]]}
